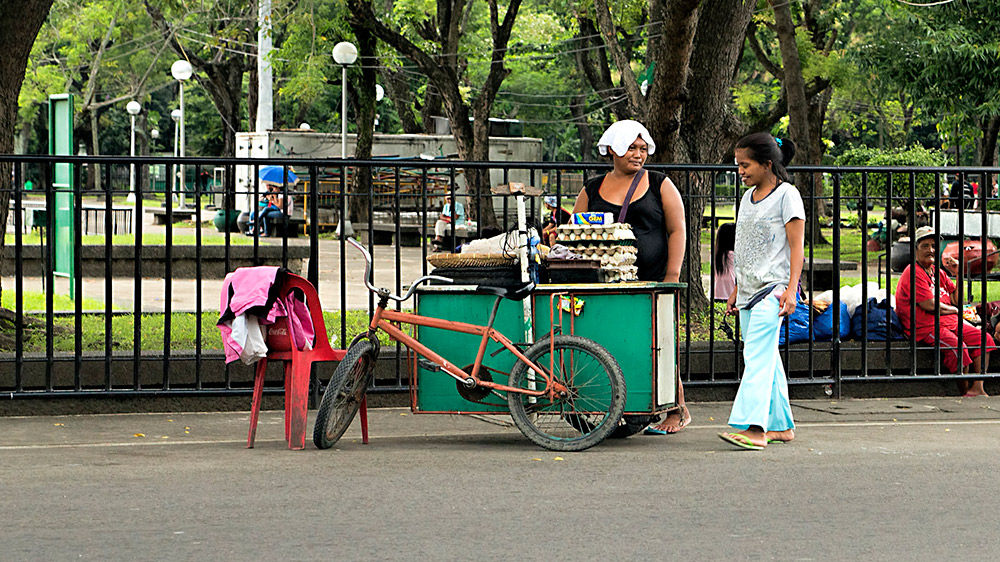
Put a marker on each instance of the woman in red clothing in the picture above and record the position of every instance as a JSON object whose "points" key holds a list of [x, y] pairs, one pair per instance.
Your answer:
{"points": [[919, 282]]}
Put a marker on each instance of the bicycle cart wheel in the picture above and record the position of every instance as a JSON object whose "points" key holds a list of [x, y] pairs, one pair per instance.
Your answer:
{"points": [[593, 407], [343, 395]]}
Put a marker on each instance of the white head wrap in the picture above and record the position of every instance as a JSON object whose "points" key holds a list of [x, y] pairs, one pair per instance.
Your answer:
{"points": [[621, 134]]}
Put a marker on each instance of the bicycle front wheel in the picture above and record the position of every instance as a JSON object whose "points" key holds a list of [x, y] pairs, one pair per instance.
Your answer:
{"points": [[343, 395], [593, 406]]}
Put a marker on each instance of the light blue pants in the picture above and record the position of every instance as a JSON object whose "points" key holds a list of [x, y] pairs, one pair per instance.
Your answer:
{"points": [[762, 399]]}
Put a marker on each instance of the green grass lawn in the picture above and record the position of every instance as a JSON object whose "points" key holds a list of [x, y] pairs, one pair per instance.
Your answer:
{"points": [[183, 327], [150, 239]]}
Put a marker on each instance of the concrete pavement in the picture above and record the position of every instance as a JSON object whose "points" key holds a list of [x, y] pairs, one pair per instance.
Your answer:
{"points": [[864, 480]]}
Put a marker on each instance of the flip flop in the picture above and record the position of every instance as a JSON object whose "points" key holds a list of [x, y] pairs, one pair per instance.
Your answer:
{"points": [[740, 440], [771, 441], [653, 431]]}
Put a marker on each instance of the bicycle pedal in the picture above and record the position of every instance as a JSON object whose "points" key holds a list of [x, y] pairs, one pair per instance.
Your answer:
{"points": [[428, 365]]}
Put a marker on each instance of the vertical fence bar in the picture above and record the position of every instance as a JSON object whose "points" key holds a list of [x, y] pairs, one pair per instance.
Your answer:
{"points": [[937, 221], [690, 274], [108, 294], [962, 264], [811, 348], [312, 196], [835, 358], [399, 248], [137, 286], [712, 271], [198, 304], [49, 260], [863, 223], [168, 276], [78, 280], [342, 230], [17, 194]]}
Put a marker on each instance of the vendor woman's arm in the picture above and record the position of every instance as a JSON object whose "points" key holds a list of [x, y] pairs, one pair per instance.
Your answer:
{"points": [[673, 216], [582, 202]]}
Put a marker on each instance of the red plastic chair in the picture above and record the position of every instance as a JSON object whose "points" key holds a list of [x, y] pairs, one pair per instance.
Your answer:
{"points": [[298, 367]]}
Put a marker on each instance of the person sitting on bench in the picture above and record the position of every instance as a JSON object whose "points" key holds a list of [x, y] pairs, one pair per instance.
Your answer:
{"points": [[450, 215], [273, 209]]}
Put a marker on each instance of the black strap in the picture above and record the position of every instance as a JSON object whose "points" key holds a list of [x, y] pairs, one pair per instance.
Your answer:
{"points": [[628, 196]]}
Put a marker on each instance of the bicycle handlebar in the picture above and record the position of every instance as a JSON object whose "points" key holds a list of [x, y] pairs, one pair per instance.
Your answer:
{"points": [[374, 289]]}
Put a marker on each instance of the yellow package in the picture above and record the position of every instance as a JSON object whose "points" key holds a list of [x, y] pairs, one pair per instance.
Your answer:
{"points": [[577, 305]]}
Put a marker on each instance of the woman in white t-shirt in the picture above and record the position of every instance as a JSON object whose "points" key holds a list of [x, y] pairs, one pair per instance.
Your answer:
{"points": [[768, 261]]}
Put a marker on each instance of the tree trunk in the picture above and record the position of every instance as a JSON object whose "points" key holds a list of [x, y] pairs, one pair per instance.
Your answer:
{"points": [[592, 62], [668, 92], [988, 155], [141, 149], [20, 21], [709, 129], [398, 89], [577, 109], [799, 119], [432, 106], [445, 71], [253, 97], [94, 180]]}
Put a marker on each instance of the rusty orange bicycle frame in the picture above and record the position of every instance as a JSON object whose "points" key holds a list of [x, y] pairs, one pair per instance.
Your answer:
{"points": [[383, 317]]}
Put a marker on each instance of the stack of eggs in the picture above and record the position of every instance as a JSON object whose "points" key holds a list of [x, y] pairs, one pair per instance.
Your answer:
{"points": [[611, 244]]}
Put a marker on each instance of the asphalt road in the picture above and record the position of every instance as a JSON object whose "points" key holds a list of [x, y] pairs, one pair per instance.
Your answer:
{"points": [[865, 480]]}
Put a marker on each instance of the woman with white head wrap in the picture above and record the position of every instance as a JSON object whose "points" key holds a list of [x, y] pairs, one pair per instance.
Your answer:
{"points": [[655, 212]]}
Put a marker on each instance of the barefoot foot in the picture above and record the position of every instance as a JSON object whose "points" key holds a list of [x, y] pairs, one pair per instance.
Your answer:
{"points": [[676, 421], [780, 436]]}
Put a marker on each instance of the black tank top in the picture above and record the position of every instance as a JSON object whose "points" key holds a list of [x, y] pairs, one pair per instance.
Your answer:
{"points": [[645, 214]]}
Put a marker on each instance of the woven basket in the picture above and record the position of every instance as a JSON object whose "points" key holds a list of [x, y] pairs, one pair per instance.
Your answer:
{"points": [[470, 260]]}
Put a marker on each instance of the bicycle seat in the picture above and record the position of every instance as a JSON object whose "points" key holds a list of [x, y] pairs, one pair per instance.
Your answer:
{"points": [[515, 293]]}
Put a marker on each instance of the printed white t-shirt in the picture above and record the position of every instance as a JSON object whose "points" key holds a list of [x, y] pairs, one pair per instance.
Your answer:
{"points": [[762, 255]]}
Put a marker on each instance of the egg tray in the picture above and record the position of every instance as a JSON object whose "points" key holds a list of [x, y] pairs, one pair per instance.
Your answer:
{"points": [[615, 233], [617, 274]]}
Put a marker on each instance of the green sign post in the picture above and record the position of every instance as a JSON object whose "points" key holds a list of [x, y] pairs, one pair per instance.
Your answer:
{"points": [[64, 218]]}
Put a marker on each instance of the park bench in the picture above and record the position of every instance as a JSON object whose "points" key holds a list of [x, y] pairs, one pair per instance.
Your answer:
{"points": [[294, 225], [384, 233], [176, 215]]}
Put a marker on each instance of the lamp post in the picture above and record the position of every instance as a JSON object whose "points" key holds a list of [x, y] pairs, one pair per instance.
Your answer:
{"points": [[181, 70], [344, 54], [133, 107], [176, 116], [379, 94]]}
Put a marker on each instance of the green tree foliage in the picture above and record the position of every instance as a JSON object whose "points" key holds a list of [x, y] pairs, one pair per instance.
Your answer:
{"points": [[947, 58], [877, 183]]}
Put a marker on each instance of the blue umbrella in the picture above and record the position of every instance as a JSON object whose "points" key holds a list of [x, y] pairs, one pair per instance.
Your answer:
{"points": [[273, 174]]}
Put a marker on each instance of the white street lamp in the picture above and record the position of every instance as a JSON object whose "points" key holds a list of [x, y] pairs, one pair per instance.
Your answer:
{"points": [[379, 94], [181, 70], [133, 107], [176, 116], [344, 54]]}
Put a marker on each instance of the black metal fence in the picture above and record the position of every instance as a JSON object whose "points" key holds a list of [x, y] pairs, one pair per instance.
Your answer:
{"points": [[140, 318]]}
